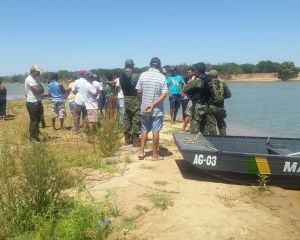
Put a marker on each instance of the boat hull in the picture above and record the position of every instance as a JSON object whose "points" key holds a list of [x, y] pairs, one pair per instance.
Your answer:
{"points": [[239, 154]]}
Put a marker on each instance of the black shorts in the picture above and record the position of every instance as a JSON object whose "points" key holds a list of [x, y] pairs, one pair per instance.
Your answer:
{"points": [[175, 101]]}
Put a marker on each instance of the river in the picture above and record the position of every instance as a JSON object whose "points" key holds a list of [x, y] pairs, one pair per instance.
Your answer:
{"points": [[255, 108]]}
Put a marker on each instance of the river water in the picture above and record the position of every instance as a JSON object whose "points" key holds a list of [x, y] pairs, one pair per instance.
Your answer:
{"points": [[255, 108], [267, 109]]}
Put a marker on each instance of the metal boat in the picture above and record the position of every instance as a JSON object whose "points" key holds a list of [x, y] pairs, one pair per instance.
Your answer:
{"points": [[241, 154]]}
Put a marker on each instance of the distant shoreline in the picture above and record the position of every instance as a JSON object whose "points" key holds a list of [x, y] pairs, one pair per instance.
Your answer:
{"points": [[260, 80], [257, 77]]}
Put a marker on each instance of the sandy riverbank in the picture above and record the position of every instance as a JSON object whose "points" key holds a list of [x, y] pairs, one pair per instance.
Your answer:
{"points": [[258, 77], [203, 206]]}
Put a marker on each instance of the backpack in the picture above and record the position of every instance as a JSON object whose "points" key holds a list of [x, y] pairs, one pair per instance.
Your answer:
{"points": [[217, 91]]}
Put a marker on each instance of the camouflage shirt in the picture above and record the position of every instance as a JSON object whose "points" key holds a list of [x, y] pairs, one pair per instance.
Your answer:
{"points": [[197, 89]]}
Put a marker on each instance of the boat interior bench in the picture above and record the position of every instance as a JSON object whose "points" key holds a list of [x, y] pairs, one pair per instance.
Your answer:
{"points": [[279, 149]]}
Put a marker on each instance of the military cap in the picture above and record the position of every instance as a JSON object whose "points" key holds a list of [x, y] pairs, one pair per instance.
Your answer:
{"points": [[213, 73], [129, 62], [200, 67]]}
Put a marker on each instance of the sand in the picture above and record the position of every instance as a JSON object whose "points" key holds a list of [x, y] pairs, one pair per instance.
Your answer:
{"points": [[205, 207]]}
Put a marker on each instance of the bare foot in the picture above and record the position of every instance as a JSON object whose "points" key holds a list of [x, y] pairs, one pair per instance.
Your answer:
{"points": [[157, 158]]}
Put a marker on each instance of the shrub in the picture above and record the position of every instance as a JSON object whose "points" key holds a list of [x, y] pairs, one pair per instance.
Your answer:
{"points": [[83, 222], [31, 192], [108, 136], [161, 200]]}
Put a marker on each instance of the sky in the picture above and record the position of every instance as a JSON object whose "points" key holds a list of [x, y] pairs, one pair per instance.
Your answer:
{"points": [[88, 34]]}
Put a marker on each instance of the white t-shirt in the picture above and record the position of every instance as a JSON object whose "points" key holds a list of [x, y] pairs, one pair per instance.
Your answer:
{"points": [[101, 87], [91, 102], [98, 86], [120, 92], [32, 96], [79, 90]]}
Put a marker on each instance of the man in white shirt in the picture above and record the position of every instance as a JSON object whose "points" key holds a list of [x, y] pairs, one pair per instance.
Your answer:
{"points": [[91, 102], [120, 101], [79, 109], [34, 94]]}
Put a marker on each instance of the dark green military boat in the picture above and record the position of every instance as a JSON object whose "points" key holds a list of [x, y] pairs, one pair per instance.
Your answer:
{"points": [[241, 154]]}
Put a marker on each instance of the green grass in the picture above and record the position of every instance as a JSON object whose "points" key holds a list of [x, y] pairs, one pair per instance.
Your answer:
{"points": [[161, 200], [143, 166], [263, 182], [126, 226], [111, 203], [160, 183], [31, 191], [108, 136], [83, 222], [141, 209], [128, 159], [33, 178]]}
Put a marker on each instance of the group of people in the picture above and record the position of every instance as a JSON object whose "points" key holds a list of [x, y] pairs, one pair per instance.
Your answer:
{"points": [[202, 97], [205, 109], [140, 100]]}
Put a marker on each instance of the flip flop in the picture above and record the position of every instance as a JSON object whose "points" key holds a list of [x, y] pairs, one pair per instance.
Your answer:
{"points": [[141, 157]]}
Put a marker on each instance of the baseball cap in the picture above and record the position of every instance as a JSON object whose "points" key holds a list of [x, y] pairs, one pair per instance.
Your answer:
{"points": [[129, 62], [155, 61], [35, 67], [88, 74], [81, 73], [173, 68]]}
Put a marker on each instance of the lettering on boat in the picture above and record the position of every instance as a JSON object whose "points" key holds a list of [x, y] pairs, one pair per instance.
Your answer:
{"points": [[291, 167], [209, 160]]}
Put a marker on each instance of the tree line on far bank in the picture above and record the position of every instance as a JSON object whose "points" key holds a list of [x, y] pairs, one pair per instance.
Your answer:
{"points": [[285, 70]]}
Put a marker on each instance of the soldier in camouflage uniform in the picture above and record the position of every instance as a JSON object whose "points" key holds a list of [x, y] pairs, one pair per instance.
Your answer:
{"points": [[198, 92], [132, 114], [218, 92]]}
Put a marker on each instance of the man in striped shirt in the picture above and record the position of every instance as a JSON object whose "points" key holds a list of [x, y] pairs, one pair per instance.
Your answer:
{"points": [[152, 87]]}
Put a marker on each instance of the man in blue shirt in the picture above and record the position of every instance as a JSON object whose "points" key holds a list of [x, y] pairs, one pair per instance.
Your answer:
{"points": [[175, 83], [57, 93]]}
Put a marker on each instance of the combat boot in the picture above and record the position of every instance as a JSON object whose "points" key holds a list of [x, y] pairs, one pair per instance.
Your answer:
{"points": [[222, 131], [136, 141], [128, 139]]}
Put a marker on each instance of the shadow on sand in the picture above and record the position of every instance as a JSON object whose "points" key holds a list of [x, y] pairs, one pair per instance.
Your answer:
{"points": [[164, 152], [188, 171], [9, 117]]}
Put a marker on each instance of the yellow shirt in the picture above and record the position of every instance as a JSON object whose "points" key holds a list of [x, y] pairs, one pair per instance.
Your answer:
{"points": [[71, 96]]}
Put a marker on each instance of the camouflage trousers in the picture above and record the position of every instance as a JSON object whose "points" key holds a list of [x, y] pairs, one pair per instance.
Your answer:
{"points": [[220, 114], [132, 116], [202, 121]]}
